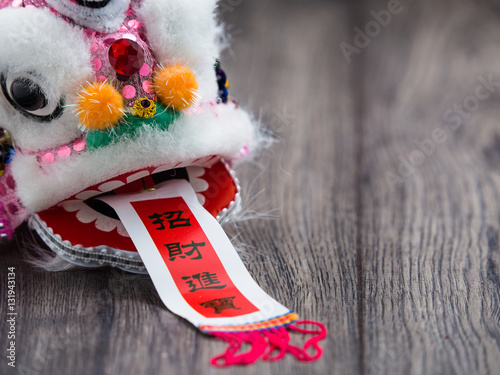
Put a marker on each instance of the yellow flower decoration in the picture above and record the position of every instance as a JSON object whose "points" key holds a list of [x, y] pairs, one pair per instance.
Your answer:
{"points": [[144, 107]]}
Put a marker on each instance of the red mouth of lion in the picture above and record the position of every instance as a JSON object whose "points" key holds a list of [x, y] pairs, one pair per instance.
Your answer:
{"points": [[142, 184], [83, 221]]}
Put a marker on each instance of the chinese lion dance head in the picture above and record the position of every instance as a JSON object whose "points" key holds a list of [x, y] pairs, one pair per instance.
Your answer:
{"points": [[102, 97]]}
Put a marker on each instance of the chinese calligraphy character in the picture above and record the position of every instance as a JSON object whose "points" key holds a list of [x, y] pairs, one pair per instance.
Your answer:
{"points": [[175, 250], [220, 304], [194, 248], [157, 220], [205, 280], [173, 218]]}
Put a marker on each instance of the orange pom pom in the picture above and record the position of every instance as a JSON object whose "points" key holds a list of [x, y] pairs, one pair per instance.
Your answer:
{"points": [[176, 87], [100, 106]]}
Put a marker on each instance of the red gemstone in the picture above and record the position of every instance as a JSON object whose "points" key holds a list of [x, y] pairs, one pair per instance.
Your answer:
{"points": [[126, 57]]}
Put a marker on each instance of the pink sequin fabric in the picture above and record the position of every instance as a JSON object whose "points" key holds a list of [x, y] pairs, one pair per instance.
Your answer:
{"points": [[12, 212], [132, 87]]}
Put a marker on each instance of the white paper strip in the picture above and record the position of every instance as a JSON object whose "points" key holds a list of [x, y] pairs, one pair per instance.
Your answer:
{"points": [[183, 288]]}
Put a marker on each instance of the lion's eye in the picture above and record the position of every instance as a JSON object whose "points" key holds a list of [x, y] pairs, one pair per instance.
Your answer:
{"points": [[28, 95]]}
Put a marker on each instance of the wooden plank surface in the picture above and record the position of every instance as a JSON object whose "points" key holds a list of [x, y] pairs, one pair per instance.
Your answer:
{"points": [[401, 263], [431, 261], [106, 322]]}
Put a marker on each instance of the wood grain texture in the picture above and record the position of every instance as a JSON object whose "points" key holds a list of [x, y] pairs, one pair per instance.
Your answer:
{"points": [[406, 275], [430, 242]]}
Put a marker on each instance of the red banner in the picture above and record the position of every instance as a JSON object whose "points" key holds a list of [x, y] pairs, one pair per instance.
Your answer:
{"points": [[191, 259]]}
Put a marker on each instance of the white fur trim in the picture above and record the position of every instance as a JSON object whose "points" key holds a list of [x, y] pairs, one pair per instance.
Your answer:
{"points": [[184, 32], [190, 137], [107, 19], [37, 43]]}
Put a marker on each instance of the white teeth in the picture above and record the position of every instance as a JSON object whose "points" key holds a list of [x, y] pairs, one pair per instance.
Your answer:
{"points": [[87, 215], [71, 206], [195, 171], [104, 223], [137, 176], [87, 194], [163, 168], [121, 230], [199, 185], [110, 185]]}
